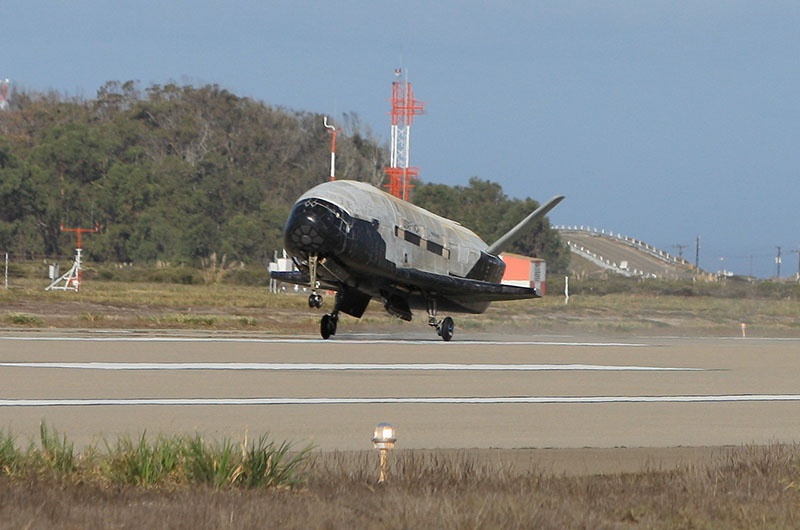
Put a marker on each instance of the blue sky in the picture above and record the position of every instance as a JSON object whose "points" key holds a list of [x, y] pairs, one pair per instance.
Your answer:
{"points": [[662, 120]]}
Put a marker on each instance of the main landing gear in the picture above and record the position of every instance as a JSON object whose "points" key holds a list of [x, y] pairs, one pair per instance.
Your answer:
{"points": [[327, 326], [445, 327]]}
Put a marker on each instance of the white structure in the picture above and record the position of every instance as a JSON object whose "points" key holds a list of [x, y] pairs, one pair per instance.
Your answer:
{"points": [[71, 281]]}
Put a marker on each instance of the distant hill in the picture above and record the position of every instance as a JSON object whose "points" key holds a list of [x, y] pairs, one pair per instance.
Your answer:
{"points": [[169, 172], [180, 174]]}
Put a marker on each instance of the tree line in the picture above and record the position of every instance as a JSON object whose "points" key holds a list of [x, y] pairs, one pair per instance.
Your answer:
{"points": [[179, 173]]}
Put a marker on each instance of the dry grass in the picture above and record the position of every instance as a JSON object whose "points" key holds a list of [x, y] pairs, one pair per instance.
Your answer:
{"points": [[117, 305], [746, 488]]}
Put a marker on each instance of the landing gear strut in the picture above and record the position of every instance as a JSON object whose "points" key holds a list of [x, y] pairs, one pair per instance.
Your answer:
{"points": [[444, 327], [314, 299]]}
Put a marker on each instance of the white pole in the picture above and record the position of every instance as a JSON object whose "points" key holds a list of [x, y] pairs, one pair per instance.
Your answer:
{"points": [[6, 274], [566, 289]]}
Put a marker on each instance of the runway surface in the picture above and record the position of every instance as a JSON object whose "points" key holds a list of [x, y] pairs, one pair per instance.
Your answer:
{"points": [[475, 392]]}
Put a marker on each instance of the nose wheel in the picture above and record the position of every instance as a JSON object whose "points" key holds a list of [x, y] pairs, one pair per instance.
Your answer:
{"points": [[315, 301]]}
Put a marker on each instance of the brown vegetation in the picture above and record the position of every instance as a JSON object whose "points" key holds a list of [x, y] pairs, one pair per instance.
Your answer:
{"points": [[744, 488]]}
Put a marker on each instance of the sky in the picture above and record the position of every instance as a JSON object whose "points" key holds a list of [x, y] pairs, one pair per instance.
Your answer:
{"points": [[662, 120]]}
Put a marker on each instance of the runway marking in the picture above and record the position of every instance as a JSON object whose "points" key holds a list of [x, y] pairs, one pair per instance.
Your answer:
{"points": [[267, 401], [343, 367], [432, 341]]}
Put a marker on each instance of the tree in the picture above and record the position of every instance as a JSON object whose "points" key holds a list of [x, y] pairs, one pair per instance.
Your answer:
{"points": [[171, 173]]}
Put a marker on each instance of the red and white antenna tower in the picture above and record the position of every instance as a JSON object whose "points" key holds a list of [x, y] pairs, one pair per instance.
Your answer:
{"points": [[73, 278], [404, 108]]}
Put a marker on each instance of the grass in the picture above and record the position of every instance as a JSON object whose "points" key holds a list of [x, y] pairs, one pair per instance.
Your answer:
{"points": [[645, 308], [162, 461], [742, 488], [23, 319]]}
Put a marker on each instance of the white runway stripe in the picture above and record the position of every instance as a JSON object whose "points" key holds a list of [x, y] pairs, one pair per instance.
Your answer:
{"points": [[343, 366], [399, 401], [432, 341]]}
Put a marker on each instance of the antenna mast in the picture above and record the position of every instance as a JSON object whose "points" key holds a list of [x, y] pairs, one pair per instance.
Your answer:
{"points": [[334, 132], [404, 108], [5, 89]]}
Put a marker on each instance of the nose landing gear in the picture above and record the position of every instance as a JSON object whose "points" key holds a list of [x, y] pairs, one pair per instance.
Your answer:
{"points": [[314, 299]]}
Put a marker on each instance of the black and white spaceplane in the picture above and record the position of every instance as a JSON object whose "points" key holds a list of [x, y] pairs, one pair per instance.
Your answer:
{"points": [[363, 243]]}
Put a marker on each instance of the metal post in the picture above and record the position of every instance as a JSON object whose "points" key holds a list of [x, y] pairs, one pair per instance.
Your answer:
{"points": [[384, 465], [697, 254]]}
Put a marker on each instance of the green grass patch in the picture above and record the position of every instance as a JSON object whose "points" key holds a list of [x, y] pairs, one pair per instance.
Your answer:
{"points": [[23, 319], [158, 461]]}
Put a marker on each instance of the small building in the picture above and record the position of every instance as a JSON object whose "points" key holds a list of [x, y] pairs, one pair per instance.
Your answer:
{"points": [[524, 271]]}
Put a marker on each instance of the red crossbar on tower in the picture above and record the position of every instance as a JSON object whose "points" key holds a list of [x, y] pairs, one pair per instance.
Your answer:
{"points": [[404, 108]]}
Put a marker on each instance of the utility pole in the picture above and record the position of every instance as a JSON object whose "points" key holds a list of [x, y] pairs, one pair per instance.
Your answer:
{"points": [[778, 262], [697, 254], [798, 263], [679, 248]]}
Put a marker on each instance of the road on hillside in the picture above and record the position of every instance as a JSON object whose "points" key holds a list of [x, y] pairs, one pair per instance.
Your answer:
{"points": [[618, 252]]}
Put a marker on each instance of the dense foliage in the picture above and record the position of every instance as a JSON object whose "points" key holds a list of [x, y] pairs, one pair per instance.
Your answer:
{"points": [[169, 173], [178, 173]]}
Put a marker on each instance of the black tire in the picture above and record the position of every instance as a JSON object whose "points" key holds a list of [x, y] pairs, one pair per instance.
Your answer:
{"points": [[325, 326], [447, 328], [315, 301]]}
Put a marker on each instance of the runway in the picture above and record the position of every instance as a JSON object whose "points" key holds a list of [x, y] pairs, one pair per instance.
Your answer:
{"points": [[478, 392]]}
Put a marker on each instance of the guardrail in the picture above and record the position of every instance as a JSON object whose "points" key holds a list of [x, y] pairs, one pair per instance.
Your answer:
{"points": [[607, 264], [630, 241]]}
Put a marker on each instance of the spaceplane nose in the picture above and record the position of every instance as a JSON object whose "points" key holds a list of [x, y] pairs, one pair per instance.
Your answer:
{"points": [[316, 227]]}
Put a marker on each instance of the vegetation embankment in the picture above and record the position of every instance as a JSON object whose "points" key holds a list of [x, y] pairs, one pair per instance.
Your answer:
{"points": [[186, 483]]}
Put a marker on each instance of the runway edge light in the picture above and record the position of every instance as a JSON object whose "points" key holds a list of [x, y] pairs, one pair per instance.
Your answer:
{"points": [[384, 439]]}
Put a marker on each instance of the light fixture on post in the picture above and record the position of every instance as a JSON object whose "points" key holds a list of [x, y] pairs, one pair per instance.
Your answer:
{"points": [[383, 440]]}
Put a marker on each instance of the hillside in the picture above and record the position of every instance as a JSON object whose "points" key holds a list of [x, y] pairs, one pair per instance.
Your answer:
{"points": [[168, 173], [185, 175]]}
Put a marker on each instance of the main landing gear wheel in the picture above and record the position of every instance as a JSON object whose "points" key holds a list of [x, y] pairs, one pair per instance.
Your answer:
{"points": [[446, 328], [327, 326]]}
